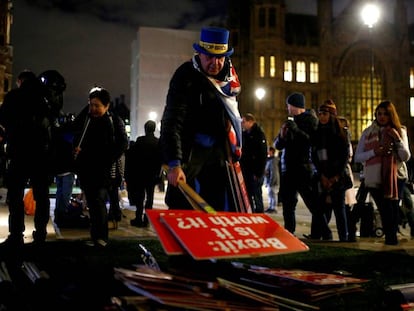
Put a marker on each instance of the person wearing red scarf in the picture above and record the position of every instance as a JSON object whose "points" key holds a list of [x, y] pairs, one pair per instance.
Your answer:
{"points": [[381, 148]]}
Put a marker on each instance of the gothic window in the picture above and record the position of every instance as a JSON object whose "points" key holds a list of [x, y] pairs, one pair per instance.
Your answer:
{"points": [[272, 67], [361, 89], [262, 66], [288, 71], [300, 71], [314, 72]]}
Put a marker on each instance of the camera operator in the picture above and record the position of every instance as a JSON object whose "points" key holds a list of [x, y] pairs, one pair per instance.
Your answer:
{"points": [[27, 115]]}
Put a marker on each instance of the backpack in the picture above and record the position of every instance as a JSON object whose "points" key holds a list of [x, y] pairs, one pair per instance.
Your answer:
{"points": [[73, 217]]}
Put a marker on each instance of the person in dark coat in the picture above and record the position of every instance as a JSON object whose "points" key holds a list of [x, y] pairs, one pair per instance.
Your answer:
{"points": [[100, 139], [201, 112], [297, 169], [330, 154], [142, 172], [26, 118], [253, 160]]}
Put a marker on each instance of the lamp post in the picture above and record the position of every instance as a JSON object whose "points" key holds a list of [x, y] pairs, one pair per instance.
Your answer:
{"points": [[370, 14], [260, 93]]}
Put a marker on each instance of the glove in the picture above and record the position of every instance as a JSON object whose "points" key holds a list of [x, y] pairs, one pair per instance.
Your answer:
{"points": [[284, 130], [291, 125]]}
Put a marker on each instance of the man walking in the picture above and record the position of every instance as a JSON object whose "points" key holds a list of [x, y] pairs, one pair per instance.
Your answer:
{"points": [[253, 160], [142, 172]]}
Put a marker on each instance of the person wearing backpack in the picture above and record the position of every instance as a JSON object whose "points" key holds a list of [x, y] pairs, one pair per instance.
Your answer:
{"points": [[26, 118]]}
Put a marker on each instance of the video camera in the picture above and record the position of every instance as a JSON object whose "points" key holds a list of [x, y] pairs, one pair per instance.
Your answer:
{"points": [[55, 85]]}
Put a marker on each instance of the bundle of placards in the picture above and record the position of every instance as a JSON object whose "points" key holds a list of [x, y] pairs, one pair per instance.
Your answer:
{"points": [[190, 293], [223, 285]]}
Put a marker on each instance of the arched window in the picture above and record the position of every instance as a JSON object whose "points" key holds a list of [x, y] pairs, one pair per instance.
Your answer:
{"points": [[357, 101]]}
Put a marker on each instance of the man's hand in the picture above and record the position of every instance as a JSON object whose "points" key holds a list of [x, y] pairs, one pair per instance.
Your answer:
{"points": [[284, 130], [291, 125], [175, 174]]}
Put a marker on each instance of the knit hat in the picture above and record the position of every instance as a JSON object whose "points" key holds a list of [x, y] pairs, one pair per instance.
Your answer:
{"points": [[328, 106], [296, 99]]}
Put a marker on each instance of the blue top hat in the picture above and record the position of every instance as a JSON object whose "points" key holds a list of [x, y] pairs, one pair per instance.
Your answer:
{"points": [[214, 41]]}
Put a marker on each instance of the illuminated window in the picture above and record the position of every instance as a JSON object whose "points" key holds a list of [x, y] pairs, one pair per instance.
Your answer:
{"points": [[357, 101], [300, 71], [411, 106], [288, 71], [314, 72], [272, 69], [411, 78], [261, 66]]}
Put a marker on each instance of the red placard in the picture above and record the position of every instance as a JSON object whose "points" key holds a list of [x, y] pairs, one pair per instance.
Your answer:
{"points": [[169, 242], [314, 278], [230, 235]]}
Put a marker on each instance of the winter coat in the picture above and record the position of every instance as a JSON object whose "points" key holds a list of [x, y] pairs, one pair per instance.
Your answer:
{"points": [[254, 152], [193, 114], [104, 142], [296, 146]]}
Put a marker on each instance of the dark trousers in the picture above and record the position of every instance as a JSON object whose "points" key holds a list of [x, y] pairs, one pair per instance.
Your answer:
{"points": [[115, 212], [254, 189], [96, 197], [292, 184], [337, 205], [143, 197], [207, 175], [389, 213], [19, 174]]}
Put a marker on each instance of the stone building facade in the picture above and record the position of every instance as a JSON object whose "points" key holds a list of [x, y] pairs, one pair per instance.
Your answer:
{"points": [[6, 50], [323, 57]]}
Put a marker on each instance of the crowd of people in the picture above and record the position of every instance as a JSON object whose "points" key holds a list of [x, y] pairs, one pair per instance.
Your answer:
{"points": [[203, 140]]}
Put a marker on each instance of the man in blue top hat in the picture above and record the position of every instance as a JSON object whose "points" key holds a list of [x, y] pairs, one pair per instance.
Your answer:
{"points": [[201, 113]]}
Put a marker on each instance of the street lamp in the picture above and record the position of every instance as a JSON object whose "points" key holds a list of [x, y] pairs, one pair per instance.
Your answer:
{"points": [[260, 93], [152, 115], [370, 15]]}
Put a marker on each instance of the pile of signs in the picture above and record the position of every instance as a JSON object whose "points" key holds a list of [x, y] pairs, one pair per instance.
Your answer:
{"points": [[201, 239], [217, 285]]}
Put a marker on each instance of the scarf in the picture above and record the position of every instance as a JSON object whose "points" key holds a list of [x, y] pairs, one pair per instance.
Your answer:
{"points": [[381, 170], [227, 89], [389, 166]]}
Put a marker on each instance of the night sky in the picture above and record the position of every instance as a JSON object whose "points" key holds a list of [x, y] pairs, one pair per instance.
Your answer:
{"points": [[89, 42]]}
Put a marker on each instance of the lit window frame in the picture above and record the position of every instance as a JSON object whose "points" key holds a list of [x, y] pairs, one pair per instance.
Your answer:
{"points": [[288, 71], [300, 71], [272, 66], [314, 72], [262, 66]]}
